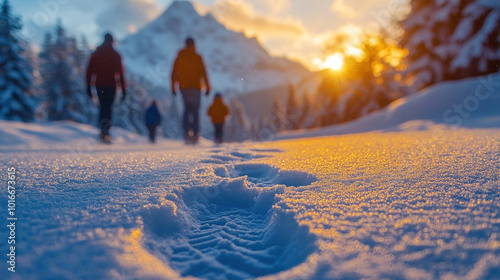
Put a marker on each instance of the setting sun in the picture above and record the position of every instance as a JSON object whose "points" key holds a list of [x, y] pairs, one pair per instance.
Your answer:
{"points": [[333, 62]]}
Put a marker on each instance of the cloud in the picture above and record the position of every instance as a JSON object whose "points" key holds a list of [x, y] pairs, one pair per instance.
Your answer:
{"points": [[343, 9], [239, 15], [122, 17], [276, 6]]}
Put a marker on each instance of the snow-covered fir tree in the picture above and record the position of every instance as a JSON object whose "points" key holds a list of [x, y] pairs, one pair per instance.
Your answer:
{"points": [[62, 73], [236, 129], [260, 130], [478, 36], [255, 129], [15, 71], [36, 92], [325, 101], [451, 40], [129, 114], [172, 123], [277, 120], [305, 111], [292, 113], [428, 26]]}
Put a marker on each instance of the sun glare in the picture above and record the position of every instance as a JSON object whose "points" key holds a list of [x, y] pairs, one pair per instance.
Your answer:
{"points": [[333, 62]]}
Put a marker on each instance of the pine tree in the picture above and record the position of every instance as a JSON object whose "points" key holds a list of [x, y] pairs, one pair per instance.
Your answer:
{"points": [[255, 129], [15, 74], [450, 40], [277, 120], [63, 79], [172, 125], [478, 34], [292, 110], [326, 99], [237, 126], [305, 112], [427, 27], [260, 130], [129, 114]]}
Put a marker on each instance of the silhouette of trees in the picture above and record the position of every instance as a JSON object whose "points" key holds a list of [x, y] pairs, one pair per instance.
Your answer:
{"points": [[368, 80]]}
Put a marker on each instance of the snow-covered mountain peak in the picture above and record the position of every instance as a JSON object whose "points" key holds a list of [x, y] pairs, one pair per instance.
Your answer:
{"points": [[182, 20], [182, 8], [182, 14], [236, 64]]}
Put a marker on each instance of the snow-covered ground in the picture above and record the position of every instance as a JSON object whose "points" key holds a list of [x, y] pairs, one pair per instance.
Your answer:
{"points": [[422, 202], [381, 205]]}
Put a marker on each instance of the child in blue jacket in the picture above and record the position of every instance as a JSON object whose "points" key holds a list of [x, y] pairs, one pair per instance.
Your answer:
{"points": [[153, 120]]}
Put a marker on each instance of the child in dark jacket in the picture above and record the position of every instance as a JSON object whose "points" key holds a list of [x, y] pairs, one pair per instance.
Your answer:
{"points": [[218, 112], [153, 120]]}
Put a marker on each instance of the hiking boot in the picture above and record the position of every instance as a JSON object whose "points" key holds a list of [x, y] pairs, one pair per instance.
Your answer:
{"points": [[105, 138]]}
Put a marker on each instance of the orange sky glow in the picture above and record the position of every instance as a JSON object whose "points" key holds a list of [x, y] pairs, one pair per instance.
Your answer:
{"points": [[295, 29]]}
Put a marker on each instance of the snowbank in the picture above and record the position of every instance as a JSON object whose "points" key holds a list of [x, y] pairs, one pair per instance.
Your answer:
{"points": [[470, 103], [56, 134], [72, 136]]}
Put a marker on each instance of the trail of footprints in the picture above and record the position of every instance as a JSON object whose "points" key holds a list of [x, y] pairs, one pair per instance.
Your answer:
{"points": [[233, 232]]}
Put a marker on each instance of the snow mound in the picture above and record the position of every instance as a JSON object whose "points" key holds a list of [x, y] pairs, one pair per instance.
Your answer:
{"points": [[56, 135], [235, 229], [470, 103], [264, 174]]}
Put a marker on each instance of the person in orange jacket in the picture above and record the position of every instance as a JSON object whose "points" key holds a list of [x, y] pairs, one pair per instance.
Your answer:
{"points": [[218, 112], [190, 76]]}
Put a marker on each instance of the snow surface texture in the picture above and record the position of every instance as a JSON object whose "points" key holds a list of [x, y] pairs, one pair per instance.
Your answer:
{"points": [[400, 205], [473, 103]]}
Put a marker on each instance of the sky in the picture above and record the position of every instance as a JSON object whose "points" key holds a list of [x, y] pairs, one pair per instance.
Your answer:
{"points": [[295, 29]]}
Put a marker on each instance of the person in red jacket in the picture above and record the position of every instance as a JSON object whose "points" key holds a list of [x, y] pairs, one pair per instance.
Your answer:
{"points": [[105, 70], [190, 76], [218, 112]]}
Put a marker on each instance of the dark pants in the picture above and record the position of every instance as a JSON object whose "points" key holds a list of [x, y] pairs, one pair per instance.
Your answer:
{"points": [[106, 97], [219, 127], [192, 99], [152, 133]]}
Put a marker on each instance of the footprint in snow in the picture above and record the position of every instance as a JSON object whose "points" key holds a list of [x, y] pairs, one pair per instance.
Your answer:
{"points": [[221, 157], [231, 230]]}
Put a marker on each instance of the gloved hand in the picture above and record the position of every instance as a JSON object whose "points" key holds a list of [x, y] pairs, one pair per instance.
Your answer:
{"points": [[89, 91], [207, 92], [124, 95]]}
